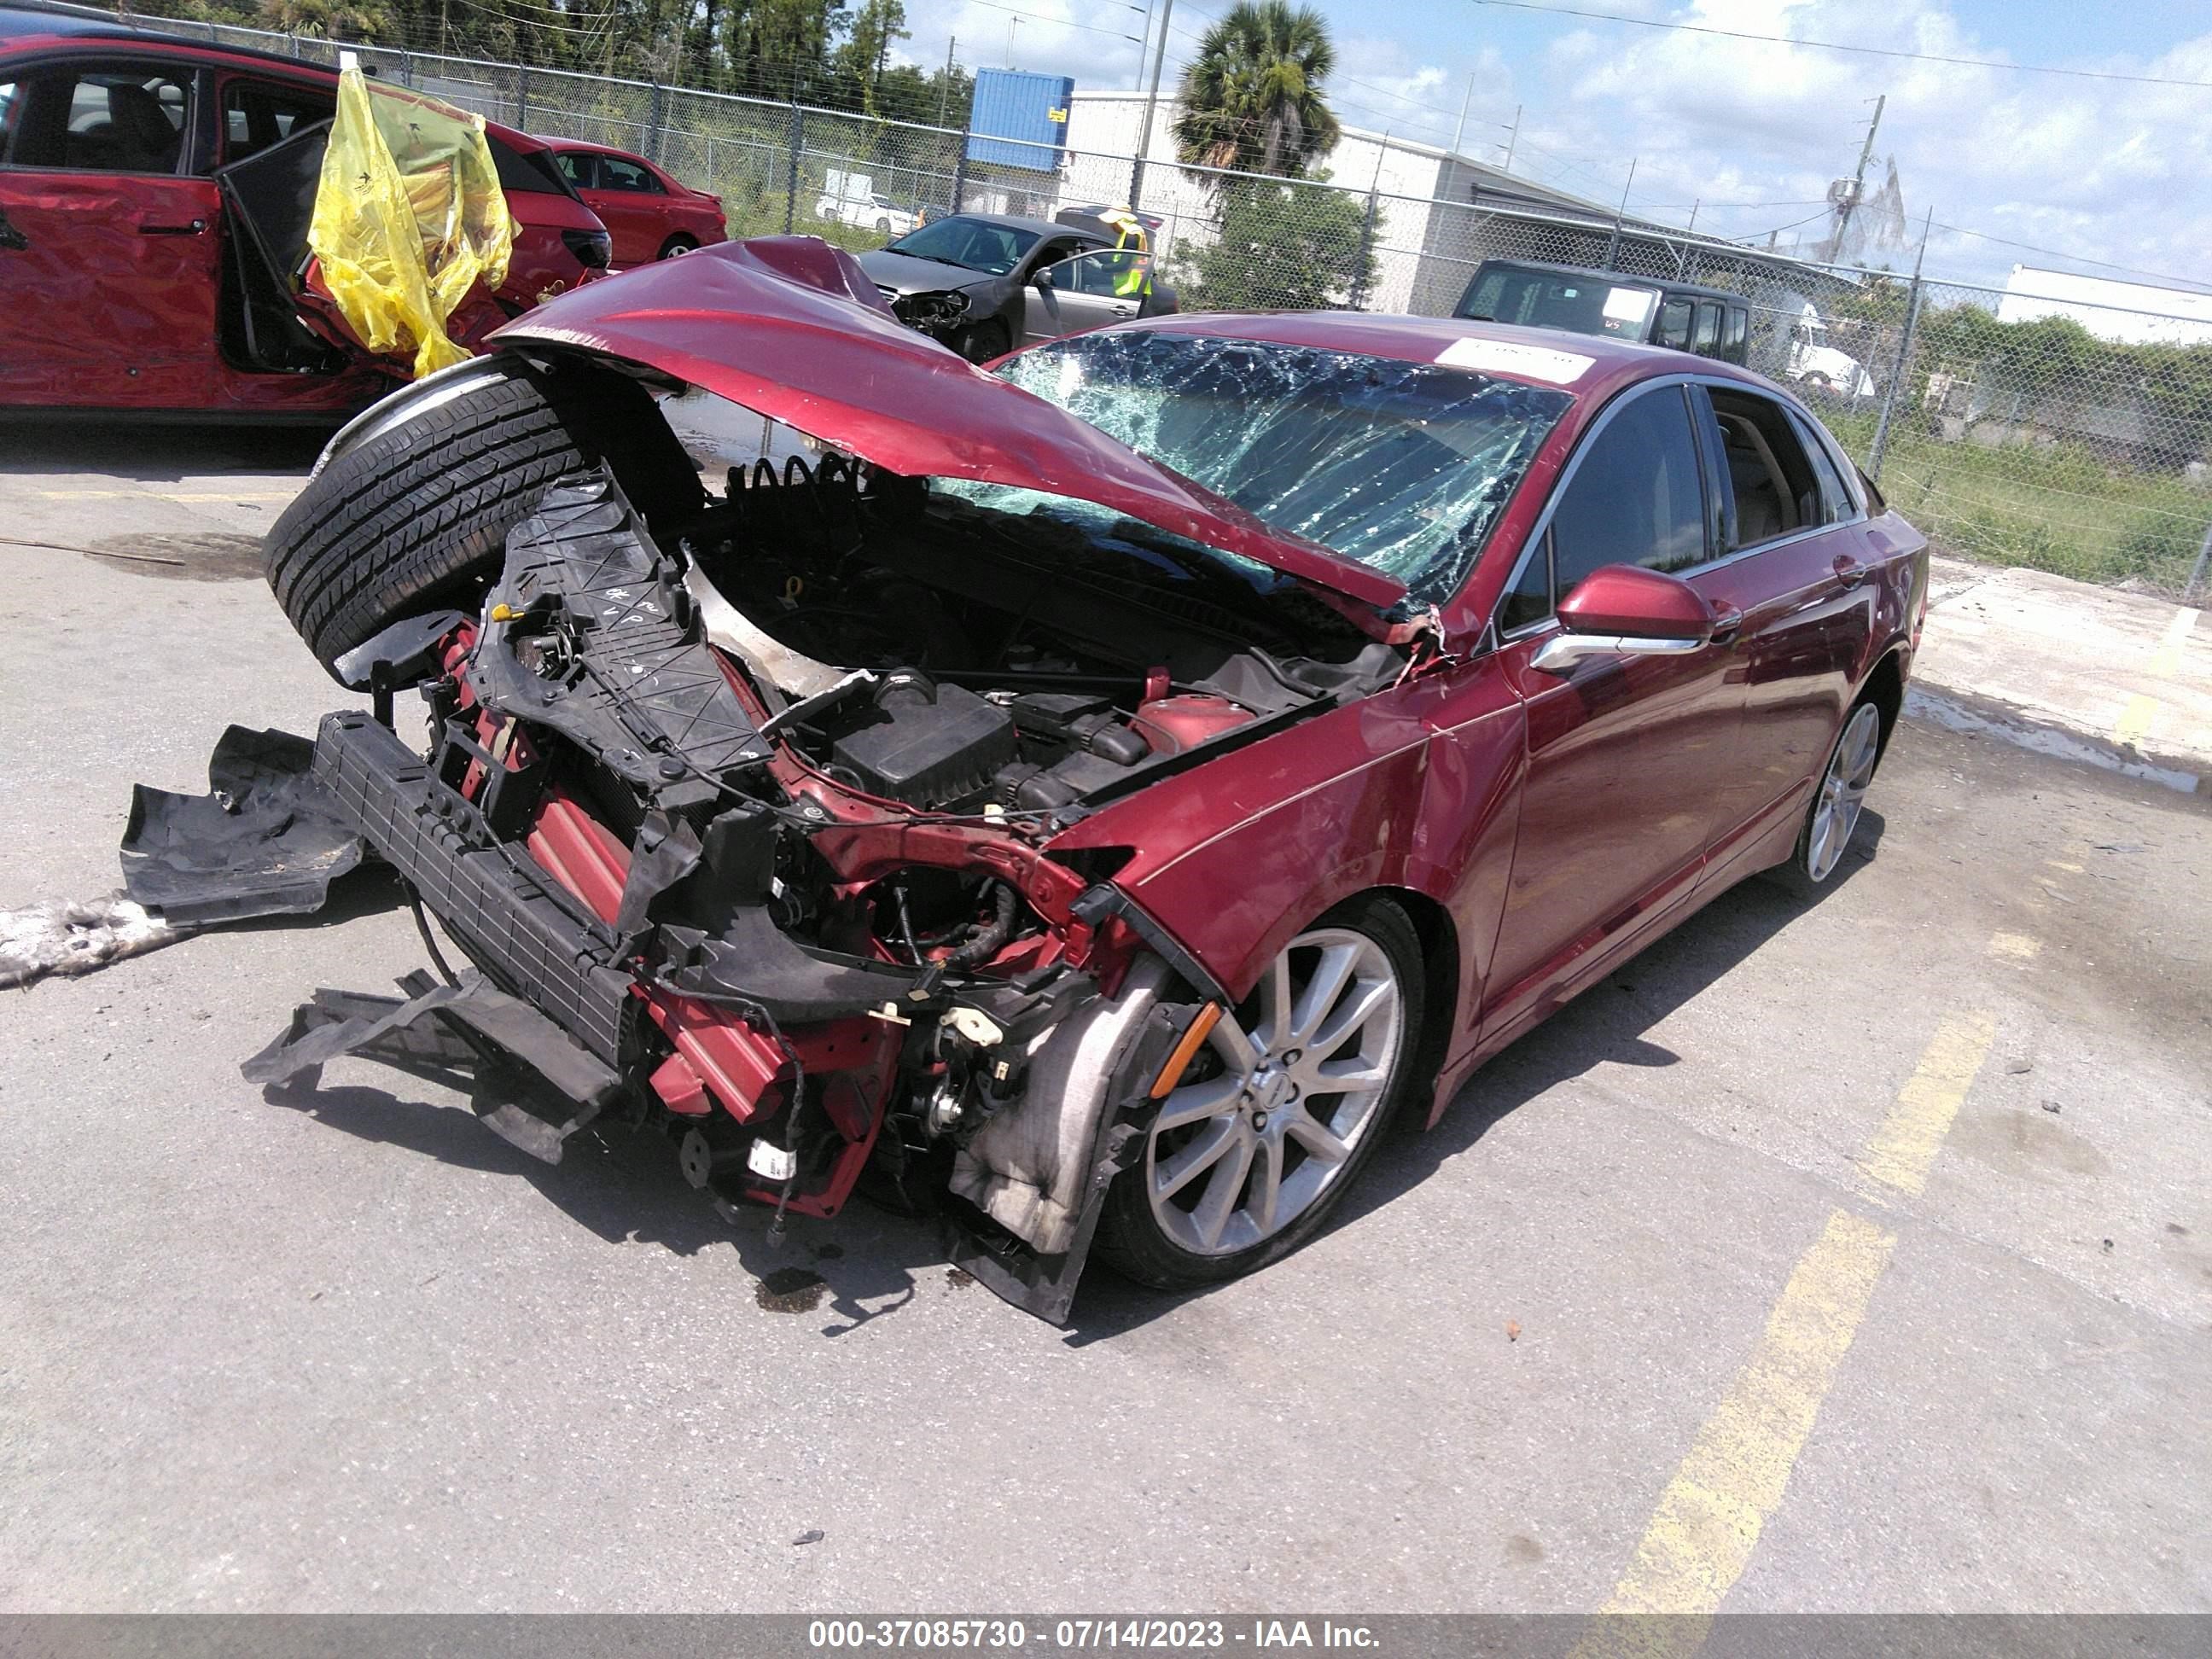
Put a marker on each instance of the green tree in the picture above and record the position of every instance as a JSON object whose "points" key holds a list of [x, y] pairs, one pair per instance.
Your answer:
{"points": [[335, 20], [1282, 247], [1251, 100]]}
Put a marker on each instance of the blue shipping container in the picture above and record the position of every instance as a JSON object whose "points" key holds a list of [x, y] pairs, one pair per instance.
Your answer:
{"points": [[1019, 119]]}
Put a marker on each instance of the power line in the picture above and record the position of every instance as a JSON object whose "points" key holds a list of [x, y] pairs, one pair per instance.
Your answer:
{"points": [[2193, 284], [1838, 46]]}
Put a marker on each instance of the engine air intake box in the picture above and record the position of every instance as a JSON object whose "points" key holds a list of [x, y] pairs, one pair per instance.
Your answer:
{"points": [[908, 748]]}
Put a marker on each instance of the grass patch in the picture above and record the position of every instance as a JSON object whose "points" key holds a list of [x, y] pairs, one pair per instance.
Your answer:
{"points": [[2059, 508]]}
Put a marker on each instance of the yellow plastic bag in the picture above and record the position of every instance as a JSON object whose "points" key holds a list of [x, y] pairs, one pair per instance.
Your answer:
{"points": [[409, 216]]}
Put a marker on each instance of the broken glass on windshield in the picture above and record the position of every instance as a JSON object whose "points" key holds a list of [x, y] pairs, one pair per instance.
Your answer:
{"points": [[1402, 466]]}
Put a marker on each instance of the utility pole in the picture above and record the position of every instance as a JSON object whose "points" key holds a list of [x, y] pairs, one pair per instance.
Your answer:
{"points": [[1512, 138], [944, 91], [1859, 180], [1151, 102], [1460, 132], [1613, 246], [1013, 23]]}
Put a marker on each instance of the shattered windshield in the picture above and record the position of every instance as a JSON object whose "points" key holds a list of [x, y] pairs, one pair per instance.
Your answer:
{"points": [[1402, 466], [972, 244]]}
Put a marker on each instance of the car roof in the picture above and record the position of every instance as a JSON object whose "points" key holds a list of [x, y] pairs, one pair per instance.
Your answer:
{"points": [[1623, 278], [23, 26], [1608, 363], [573, 146], [1015, 221]]}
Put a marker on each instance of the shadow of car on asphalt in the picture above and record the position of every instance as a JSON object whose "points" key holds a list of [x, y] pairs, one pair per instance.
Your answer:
{"points": [[155, 452], [626, 1188], [1605, 1024]]}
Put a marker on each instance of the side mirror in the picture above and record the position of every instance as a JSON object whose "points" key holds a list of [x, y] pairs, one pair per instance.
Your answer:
{"points": [[1625, 610], [1041, 277]]}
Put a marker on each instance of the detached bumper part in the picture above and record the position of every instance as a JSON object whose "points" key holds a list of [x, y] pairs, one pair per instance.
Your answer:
{"points": [[450, 1028]]}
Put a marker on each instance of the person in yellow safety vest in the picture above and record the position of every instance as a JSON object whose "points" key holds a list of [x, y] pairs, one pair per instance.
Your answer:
{"points": [[1133, 273]]}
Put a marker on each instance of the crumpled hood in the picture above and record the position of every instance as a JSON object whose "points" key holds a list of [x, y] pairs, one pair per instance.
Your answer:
{"points": [[793, 328], [911, 276]]}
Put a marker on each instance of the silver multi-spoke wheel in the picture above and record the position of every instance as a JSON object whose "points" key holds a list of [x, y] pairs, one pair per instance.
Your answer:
{"points": [[1268, 1116], [1843, 792]]}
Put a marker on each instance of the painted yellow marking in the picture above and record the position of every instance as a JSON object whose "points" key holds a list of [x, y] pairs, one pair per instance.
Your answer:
{"points": [[2166, 661], [1710, 1517], [1701, 1536], [1906, 1142], [2061, 863], [2016, 947], [2135, 721]]}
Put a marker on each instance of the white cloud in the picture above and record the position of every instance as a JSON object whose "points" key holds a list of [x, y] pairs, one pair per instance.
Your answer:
{"points": [[2111, 169]]}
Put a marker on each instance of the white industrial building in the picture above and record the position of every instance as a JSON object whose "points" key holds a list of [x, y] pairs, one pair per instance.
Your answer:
{"points": [[2129, 313]]}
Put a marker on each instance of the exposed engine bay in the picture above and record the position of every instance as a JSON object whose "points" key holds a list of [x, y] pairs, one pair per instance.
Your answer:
{"points": [[746, 829]]}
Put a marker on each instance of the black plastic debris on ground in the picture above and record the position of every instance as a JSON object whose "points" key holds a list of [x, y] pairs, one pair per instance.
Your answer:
{"points": [[265, 841]]}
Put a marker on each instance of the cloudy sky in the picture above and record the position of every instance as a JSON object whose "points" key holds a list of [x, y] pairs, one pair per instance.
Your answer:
{"points": [[2104, 170]]}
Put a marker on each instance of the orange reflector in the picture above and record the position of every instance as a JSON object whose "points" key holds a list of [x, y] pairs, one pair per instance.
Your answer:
{"points": [[1199, 1029]]}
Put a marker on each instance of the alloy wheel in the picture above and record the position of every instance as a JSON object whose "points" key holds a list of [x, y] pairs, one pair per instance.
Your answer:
{"points": [[1267, 1121], [1843, 792]]}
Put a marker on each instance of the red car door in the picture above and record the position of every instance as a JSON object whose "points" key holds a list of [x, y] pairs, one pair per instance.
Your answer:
{"points": [[1622, 750], [634, 206], [1793, 567], [113, 255]]}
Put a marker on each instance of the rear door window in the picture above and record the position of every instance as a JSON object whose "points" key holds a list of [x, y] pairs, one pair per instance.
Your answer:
{"points": [[615, 174], [1738, 329], [578, 168], [258, 113], [1776, 488], [1675, 325], [100, 119]]}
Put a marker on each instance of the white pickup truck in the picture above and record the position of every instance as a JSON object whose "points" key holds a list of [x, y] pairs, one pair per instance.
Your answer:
{"points": [[850, 199]]}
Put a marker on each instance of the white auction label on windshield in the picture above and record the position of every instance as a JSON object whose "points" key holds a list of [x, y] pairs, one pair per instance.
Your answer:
{"points": [[1508, 357]]}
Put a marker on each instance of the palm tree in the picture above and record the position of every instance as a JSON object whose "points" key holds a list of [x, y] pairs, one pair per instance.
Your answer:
{"points": [[1251, 100]]}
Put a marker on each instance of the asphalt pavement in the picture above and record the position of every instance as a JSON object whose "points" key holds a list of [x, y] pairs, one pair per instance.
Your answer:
{"points": [[1846, 1256]]}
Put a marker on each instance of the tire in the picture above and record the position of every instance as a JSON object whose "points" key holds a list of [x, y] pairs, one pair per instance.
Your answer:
{"points": [[417, 517], [1832, 817], [677, 247], [983, 341], [883, 227], [1174, 1220]]}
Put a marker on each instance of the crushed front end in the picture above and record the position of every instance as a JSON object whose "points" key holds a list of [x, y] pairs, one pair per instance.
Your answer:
{"points": [[803, 915]]}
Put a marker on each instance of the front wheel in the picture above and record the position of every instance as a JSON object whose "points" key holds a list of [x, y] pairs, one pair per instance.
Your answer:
{"points": [[1280, 1110], [984, 342]]}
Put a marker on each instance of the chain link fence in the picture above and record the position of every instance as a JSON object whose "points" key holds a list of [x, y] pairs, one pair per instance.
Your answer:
{"points": [[2073, 438]]}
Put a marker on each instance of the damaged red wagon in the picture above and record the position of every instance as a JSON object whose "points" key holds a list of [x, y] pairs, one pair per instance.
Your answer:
{"points": [[1104, 790]]}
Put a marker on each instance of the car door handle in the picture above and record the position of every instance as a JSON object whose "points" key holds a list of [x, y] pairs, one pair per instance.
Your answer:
{"points": [[1849, 571], [191, 229]]}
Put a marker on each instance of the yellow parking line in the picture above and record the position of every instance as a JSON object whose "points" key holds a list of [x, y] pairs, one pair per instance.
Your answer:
{"points": [[2166, 661], [1708, 1521], [1710, 1517], [2134, 723], [1909, 1138]]}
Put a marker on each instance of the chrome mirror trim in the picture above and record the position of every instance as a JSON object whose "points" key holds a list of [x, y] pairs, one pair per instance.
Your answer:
{"points": [[1562, 651]]}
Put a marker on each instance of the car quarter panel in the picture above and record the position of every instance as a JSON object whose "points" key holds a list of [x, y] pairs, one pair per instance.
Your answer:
{"points": [[1416, 788]]}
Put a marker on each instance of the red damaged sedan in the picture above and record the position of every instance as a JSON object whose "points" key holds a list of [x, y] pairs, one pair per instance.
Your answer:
{"points": [[649, 211], [1103, 793]]}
